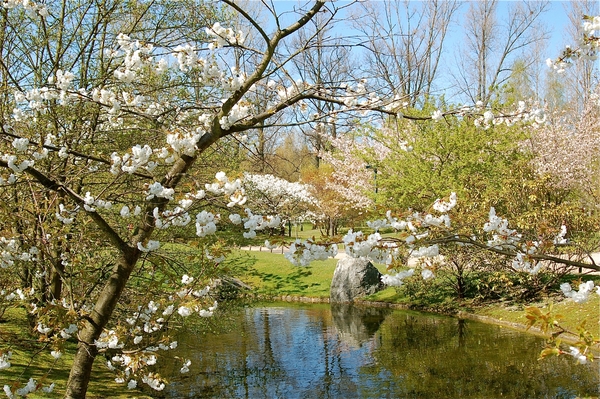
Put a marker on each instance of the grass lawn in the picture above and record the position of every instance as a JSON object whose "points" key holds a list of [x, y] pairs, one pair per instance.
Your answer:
{"points": [[573, 314], [272, 274]]}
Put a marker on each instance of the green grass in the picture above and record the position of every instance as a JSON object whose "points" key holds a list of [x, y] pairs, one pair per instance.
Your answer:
{"points": [[573, 314], [272, 274]]}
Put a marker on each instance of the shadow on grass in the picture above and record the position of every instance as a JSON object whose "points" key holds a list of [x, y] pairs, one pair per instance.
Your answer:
{"points": [[290, 283]]}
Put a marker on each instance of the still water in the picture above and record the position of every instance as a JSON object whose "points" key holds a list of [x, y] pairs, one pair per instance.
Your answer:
{"points": [[318, 351]]}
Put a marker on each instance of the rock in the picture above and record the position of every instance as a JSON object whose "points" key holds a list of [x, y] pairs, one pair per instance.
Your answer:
{"points": [[354, 278]]}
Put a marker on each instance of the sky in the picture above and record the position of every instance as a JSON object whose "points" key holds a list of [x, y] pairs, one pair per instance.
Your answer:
{"points": [[556, 20]]}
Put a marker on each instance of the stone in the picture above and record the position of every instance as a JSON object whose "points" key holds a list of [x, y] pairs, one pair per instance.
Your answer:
{"points": [[354, 278]]}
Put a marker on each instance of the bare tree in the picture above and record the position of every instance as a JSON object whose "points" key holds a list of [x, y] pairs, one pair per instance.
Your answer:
{"points": [[491, 45], [580, 79], [405, 41]]}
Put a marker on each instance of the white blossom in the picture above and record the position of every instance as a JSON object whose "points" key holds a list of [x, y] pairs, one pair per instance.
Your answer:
{"points": [[581, 358], [185, 368], [151, 245], [437, 115]]}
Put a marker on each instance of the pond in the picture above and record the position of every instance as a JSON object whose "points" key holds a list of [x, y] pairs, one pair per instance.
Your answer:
{"points": [[318, 351]]}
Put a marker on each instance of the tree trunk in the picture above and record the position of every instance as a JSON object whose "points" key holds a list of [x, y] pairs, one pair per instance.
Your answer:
{"points": [[55, 286], [81, 369]]}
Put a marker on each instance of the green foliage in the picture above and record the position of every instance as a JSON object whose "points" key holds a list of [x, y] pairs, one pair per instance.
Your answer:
{"points": [[433, 294], [510, 286], [450, 155]]}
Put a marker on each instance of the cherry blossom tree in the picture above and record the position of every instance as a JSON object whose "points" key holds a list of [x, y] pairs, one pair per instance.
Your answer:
{"points": [[567, 148], [272, 195]]}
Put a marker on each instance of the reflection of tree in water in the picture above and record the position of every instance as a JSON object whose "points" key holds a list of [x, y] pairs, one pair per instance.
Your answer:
{"points": [[296, 352], [429, 356], [283, 353]]}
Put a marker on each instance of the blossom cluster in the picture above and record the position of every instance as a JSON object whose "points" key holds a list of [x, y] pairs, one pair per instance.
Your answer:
{"points": [[526, 112], [566, 149], [10, 251], [582, 294], [232, 189], [254, 222], [31, 386], [586, 48], [351, 179], [31, 7], [505, 238], [142, 330], [223, 36], [502, 235], [277, 195]]}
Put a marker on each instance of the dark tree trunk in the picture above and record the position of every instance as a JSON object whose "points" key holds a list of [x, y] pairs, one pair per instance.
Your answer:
{"points": [[81, 369]]}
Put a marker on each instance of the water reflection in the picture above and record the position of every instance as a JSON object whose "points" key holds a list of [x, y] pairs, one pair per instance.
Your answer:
{"points": [[356, 325], [314, 351]]}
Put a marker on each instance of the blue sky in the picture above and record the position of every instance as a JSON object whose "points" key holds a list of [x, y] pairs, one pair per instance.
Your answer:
{"points": [[556, 20]]}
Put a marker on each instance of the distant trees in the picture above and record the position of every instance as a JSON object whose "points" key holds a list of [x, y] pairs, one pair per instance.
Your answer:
{"points": [[492, 45], [405, 41]]}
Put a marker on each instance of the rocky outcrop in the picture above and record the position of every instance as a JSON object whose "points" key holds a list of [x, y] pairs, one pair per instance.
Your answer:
{"points": [[354, 278]]}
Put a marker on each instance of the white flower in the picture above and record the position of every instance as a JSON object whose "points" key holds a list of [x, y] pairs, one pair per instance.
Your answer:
{"points": [[20, 144], [582, 295], [4, 363], [153, 381], [169, 310], [488, 116], [437, 115], [235, 218], [49, 388], [8, 392], [42, 329], [131, 384], [30, 387], [426, 274], [581, 359], [125, 211], [396, 280], [67, 332], [184, 311], [157, 190], [442, 206], [185, 368], [56, 354], [560, 238], [150, 246]]}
